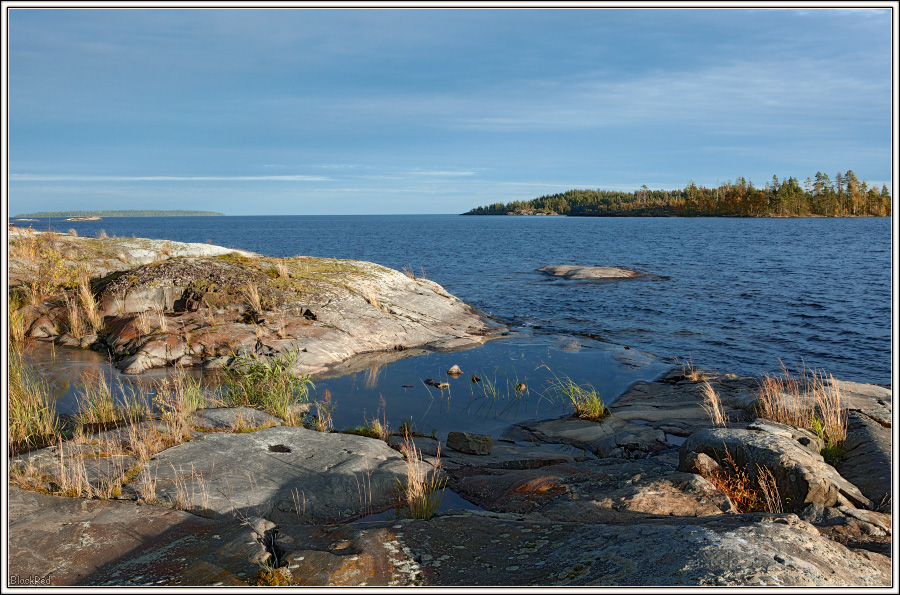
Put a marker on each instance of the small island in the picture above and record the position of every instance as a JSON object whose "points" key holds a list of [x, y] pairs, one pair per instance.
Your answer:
{"points": [[96, 215], [817, 196]]}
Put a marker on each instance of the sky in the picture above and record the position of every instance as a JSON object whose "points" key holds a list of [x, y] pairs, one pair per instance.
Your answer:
{"points": [[401, 111]]}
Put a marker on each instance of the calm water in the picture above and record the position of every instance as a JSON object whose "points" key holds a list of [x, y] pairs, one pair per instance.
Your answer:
{"points": [[732, 294]]}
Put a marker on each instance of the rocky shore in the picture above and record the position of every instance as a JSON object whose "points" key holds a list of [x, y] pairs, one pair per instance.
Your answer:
{"points": [[631, 500], [639, 498], [162, 303]]}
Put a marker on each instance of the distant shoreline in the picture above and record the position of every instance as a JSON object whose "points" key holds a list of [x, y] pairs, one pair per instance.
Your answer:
{"points": [[126, 213]]}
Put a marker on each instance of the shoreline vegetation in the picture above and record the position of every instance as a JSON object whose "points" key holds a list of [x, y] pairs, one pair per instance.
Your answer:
{"points": [[122, 213], [846, 196]]}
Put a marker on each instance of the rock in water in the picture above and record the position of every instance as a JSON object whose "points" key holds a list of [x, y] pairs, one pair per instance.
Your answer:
{"points": [[454, 372], [473, 444], [574, 272]]}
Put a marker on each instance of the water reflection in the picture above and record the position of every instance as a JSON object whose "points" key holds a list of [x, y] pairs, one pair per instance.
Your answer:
{"points": [[514, 375]]}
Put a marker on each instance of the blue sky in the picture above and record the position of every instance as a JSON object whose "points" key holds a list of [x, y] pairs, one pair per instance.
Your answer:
{"points": [[351, 111]]}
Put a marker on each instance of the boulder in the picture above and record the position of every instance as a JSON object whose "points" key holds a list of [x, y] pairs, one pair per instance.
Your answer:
{"points": [[473, 444], [802, 477], [867, 461], [454, 371]]}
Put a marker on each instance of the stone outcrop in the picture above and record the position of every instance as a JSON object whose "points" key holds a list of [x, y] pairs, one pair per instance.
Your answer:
{"points": [[575, 272], [802, 476], [285, 474], [104, 543], [169, 303]]}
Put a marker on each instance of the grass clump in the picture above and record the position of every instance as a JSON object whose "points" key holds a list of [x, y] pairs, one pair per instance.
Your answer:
{"points": [[421, 492], [323, 421], [807, 401], [268, 385], [587, 402], [32, 413], [713, 406]]}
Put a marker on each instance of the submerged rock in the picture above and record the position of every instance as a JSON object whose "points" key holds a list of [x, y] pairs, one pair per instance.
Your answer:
{"points": [[574, 272]]}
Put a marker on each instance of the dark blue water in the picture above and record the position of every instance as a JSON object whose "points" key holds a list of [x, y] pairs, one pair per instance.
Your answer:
{"points": [[732, 294]]}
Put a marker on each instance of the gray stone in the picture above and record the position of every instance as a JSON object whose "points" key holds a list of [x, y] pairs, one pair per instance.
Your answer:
{"points": [[867, 462], [230, 418], [801, 476], [574, 272], [284, 474], [601, 438], [473, 444]]}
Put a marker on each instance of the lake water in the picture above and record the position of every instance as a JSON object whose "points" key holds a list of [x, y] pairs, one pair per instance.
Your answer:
{"points": [[733, 295]]}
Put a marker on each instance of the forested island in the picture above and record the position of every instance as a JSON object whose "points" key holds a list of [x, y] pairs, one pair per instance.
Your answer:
{"points": [[134, 213], [846, 196]]}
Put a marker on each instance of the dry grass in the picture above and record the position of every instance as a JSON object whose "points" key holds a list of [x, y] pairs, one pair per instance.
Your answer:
{"points": [[32, 412], [713, 406], [422, 489], [251, 295], [73, 233], [806, 401], [75, 323], [768, 487], [144, 323], [101, 235], [162, 321], [736, 483], [89, 305], [368, 294], [281, 269], [17, 327], [323, 421], [690, 372]]}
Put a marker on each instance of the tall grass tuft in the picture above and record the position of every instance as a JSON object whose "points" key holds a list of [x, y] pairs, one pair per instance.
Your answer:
{"points": [[587, 402], [17, 322], [324, 408], [269, 385], [768, 488], [421, 490], [96, 402], [89, 305], [807, 402], [713, 406], [32, 413], [251, 295]]}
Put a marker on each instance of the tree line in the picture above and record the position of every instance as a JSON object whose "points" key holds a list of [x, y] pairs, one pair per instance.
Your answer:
{"points": [[845, 196]]}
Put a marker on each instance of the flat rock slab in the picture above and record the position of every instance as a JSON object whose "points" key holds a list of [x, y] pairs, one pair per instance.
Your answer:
{"points": [[674, 404], [71, 541], [574, 272], [614, 436], [231, 418], [869, 399], [600, 490], [476, 548], [504, 454], [284, 474]]}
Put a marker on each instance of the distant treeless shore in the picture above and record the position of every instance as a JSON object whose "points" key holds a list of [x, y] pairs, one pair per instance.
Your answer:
{"points": [[134, 213]]}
